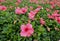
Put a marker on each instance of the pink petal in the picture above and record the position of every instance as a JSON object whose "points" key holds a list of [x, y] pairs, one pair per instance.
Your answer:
{"points": [[24, 34], [23, 27], [29, 25]]}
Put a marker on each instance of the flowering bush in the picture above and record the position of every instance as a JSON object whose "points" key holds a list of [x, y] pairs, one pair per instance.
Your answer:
{"points": [[29, 20]]}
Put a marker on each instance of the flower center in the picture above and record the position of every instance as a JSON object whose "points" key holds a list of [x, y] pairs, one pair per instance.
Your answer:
{"points": [[26, 29], [23, 10]]}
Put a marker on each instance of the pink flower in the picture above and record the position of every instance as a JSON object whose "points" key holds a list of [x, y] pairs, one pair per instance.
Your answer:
{"points": [[42, 21], [52, 3], [55, 15], [0, 7], [31, 15], [51, 17], [3, 8], [56, 12], [40, 7], [52, 6], [37, 10], [26, 30], [57, 19], [20, 10], [24, 10]]}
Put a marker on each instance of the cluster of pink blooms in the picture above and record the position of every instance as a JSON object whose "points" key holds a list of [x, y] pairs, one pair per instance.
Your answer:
{"points": [[56, 2], [55, 16], [26, 30], [3, 8], [53, 3], [21, 10]]}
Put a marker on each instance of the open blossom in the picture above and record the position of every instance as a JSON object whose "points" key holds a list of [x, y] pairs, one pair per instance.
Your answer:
{"points": [[26, 30], [20, 10], [24, 10], [31, 15], [3, 8], [42, 21]]}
